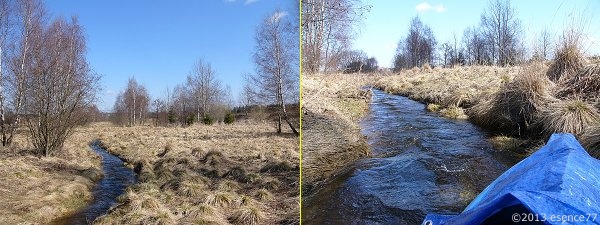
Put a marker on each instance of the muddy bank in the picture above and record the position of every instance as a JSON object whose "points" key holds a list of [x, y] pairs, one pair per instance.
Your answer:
{"points": [[333, 105]]}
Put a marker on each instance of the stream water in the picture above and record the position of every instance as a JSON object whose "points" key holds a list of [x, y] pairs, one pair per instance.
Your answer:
{"points": [[116, 178], [422, 163]]}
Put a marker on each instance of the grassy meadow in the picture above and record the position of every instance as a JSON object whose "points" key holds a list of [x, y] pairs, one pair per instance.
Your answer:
{"points": [[242, 173]]}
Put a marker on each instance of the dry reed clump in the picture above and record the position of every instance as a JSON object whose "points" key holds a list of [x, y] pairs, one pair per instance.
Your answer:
{"points": [[567, 116], [568, 58], [584, 84], [513, 108], [590, 139]]}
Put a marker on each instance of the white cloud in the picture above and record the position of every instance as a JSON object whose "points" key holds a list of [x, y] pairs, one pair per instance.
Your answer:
{"points": [[440, 8], [425, 6], [278, 15], [248, 2]]}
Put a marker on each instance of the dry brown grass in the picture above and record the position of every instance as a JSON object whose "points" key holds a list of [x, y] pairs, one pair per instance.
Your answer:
{"points": [[39, 190], [177, 167], [450, 90], [591, 140], [213, 166], [584, 84], [332, 106], [567, 116], [512, 108], [568, 58]]}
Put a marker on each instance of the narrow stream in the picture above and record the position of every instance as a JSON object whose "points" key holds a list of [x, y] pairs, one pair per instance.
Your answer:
{"points": [[116, 178], [422, 163]]}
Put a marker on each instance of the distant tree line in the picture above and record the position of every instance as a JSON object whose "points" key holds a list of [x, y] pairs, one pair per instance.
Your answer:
{"points": [[272, 88], [496, 41], [46, 83], [201, 99]]}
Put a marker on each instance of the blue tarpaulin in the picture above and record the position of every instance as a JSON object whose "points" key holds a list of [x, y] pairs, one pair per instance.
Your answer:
{"points": [[558, 184]]}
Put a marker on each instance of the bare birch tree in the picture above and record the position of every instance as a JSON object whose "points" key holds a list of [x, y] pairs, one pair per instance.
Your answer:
{"points": [[327, 29], [6, 17], [60, 85], [131, 106], [275, 58], [205, 87], [502, 30]]}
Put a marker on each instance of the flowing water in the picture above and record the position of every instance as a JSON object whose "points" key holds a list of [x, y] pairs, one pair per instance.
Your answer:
{"points": [[422, 163], [116, 178]]}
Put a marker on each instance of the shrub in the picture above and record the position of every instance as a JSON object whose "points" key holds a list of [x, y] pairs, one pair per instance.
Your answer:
{"points": [[229, 118], [171, 117], [207, 120], [190, 120]]}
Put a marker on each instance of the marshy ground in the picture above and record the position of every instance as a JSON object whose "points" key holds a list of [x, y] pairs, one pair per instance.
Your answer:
{"points": [[243, 173]]}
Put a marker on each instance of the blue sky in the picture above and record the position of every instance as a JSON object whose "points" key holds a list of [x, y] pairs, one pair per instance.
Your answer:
{"points": [[388, 21], [158, 42]]}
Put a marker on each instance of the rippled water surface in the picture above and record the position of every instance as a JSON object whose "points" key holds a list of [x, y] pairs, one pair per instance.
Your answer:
{"points": [[116, 178], [421, 163]]}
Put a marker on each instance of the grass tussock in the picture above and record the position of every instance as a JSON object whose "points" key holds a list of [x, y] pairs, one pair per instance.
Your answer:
{"points": [[514, 106], [219, 199], [585, 84], [568, 116], [590, 140], [248, 215], [431, 107], [505, 143], [568, 58], [454, 112]]}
